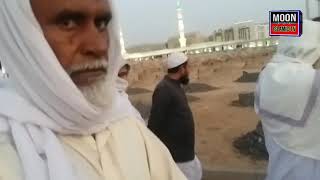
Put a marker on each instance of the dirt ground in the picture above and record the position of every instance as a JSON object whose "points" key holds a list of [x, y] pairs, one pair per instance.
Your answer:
{"points": [[218, 121]]}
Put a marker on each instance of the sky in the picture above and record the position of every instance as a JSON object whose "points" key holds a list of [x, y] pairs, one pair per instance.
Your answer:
{"points": [[154, 21]]}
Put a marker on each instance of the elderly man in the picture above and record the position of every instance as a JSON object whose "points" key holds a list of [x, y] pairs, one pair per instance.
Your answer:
{"points": [[171, 118], [287, 100], [57, 114]]}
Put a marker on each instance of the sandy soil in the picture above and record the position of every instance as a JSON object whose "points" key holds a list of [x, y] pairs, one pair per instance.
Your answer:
{"points": [[218, 123]]}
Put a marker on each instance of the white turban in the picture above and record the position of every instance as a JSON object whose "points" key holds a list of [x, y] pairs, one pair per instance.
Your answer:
{"points": [[287, 96], [40, 98]]}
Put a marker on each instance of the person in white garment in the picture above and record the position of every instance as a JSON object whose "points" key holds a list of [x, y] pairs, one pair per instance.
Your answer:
{"points": [[57, 114], [288, 102], [122, 87]]}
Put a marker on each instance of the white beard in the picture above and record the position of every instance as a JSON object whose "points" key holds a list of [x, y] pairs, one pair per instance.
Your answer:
{"points": [[99, 94]]}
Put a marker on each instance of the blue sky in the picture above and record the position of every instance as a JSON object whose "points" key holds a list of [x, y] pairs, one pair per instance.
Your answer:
{"points": [[152, 21]]}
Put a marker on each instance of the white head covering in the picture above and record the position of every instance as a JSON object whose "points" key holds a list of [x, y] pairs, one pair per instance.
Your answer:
{"points": [[37, 75], [122, 84], [41, 98], [176, 59], [287, 93], [123, 98]]}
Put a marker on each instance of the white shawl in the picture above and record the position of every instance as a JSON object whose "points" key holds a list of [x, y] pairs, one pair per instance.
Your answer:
{"points": [[287, 96], [123, 98], [40, 99]]}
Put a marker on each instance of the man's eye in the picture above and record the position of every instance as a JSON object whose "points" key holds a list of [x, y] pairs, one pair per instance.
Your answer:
{"points": [[68, 24], [102, 25]]}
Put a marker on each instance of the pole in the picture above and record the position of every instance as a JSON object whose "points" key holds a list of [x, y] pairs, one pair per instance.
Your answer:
{"points": [[318, 7], [307, 10]]}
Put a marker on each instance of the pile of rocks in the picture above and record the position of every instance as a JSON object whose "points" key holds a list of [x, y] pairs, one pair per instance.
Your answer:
{"points": [[252, 144]]}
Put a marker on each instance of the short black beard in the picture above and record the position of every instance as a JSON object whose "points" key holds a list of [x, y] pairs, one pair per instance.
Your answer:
{"points": [[184, 80]]}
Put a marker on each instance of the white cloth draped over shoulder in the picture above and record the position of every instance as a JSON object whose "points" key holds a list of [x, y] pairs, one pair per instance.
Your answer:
{"points": [[123, 98], [287, 95]]}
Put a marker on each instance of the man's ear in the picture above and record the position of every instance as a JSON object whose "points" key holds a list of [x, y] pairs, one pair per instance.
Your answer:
{"points": [[181, 69]]}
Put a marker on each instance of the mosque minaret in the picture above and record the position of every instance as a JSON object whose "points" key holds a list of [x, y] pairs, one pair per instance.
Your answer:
{"points": [[182, 39], [123, 48]]}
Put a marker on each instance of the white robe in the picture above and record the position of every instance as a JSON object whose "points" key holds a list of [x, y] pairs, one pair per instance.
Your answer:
{"points": [[111, 155], [288, 103], [285, 165]]}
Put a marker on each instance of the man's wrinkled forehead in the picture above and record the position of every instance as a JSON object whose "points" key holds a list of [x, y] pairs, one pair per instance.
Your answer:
{"points": [[51, 8]]}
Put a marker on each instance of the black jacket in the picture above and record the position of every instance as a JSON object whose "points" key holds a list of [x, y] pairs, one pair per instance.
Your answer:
{"points": [[172, 121]]}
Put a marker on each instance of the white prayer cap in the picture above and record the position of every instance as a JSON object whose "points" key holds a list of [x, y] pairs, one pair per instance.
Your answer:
{"points": [[176, 59]]}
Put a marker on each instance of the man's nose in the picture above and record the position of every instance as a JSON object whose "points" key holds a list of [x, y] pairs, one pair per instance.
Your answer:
{"points": [[94, 43]]}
